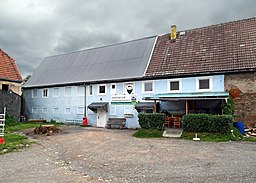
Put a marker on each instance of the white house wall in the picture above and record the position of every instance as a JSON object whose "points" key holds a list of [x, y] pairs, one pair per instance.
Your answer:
{"points": [[51, 103], [115, 109]]}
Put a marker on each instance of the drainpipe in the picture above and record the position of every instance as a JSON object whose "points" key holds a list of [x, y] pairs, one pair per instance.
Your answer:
{"points": [[85, 108]]}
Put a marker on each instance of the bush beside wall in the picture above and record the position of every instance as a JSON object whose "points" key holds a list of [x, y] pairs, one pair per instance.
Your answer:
{"points": [[151, 121], [207, 123]]}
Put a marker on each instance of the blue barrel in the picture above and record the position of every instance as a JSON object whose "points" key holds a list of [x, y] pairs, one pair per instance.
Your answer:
{"points": [[239, 126]]}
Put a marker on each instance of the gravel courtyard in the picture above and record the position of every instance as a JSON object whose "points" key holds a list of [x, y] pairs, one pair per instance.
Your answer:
{"points": [[101, 155]]}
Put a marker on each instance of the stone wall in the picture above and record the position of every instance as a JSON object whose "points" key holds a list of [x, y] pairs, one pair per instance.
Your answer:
{"points": [[12, 102], [242, 88]]}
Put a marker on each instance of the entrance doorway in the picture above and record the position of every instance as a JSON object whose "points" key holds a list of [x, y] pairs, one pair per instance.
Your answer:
{"points": [[101, 118]]}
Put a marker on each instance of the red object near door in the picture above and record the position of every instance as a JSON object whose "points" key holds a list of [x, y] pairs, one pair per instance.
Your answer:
{"points": [[85, 122], [1, 140]]}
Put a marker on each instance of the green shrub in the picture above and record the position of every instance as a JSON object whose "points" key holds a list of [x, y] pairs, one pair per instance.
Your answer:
{"points": [[151, 121], [207, 123], [10, 121]]}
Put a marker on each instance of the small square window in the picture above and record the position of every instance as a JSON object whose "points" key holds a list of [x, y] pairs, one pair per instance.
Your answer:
{"points": [[80, 91], [80, 110], [56, 92], [34, 110], [67, 91], [44, 110], [102, 90], [204, 84], [55, 110], [174, 85], [148, 87], [34, 93], [67, 110], [45, 93], [5, 87]]}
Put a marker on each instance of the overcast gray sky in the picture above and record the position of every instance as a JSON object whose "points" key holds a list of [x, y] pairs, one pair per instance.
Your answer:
{"points": [[30, 30]]}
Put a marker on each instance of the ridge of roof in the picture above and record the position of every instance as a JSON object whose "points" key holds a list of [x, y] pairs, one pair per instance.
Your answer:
{"points": [[104, 46], [212, 26]]}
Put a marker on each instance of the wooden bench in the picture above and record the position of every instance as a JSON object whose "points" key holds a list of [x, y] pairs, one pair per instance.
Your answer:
{"points": [[37, 121], [116, 122]]}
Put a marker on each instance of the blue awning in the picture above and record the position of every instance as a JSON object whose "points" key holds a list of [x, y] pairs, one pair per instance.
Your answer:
{"points": [[187, 96]]}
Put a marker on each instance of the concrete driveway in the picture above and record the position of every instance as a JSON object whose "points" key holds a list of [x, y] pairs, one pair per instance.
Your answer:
{"points": [[102, 155]]}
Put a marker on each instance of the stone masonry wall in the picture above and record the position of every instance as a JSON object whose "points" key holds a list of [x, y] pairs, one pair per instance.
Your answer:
{"points": [[12, 102], [242, 88]]}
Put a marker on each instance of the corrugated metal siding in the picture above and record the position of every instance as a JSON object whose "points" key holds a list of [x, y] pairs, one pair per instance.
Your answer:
{"points": [[120, 61]]}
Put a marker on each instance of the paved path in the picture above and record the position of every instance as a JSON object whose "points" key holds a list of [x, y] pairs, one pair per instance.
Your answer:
{"points": [[101, 155]]}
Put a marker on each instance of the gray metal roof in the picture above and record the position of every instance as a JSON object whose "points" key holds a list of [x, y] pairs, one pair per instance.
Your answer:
{"points": [[115, 62]]}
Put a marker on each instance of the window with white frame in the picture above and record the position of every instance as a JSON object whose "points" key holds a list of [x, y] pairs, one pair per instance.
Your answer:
{"points": [[102, 89], [80, 110], [34, 93], [128, 111], [68, 91], [174, 85], [148, 87], [80, 90], [44, 110], [113, 89], [204, 84], [90, 90], [113, 110], [67, 110], [56, 92], [45, 93], [34, 110], [55, 110]]}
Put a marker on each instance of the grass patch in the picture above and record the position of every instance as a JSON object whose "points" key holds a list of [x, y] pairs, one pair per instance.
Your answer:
{"points": [[13, 142], [214, 137], [148, 133]]}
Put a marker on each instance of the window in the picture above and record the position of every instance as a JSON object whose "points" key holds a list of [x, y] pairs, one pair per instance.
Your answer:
{"points": [[113, 89], [34, 110], [67, 110], [80, 91], [147, 87], [102, 89], [113, 110], [80, 110], [34, 93], [67, 91], [174, 85], [129, 112], [56, 92], [204, 84], [5, 87], [44, 110], [55, 110], [45, 93], [90, 90]]}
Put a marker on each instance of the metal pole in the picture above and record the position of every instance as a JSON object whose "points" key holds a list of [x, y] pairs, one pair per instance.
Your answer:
{"points": [[85, 108], [186, 107]]}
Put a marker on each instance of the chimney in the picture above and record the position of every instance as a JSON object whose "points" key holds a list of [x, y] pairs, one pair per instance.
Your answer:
{"points": [[173, 33]]}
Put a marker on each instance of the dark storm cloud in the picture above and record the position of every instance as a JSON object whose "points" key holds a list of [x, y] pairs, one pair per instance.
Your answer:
{"points": [[30, 30]]}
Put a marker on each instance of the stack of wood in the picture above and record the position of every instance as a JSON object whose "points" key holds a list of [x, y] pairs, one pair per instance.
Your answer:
{"points": [[46, 129], [250, 132]]}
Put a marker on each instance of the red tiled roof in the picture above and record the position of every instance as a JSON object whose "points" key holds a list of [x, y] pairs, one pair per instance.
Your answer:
{"points": [[219, 48], [8, 68]]}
